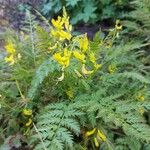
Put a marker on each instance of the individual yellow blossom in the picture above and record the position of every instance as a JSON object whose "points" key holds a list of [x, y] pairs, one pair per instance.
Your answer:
{"points": [[29, 122], [101, 135], [141, 98], [96, 142], [61, 35], [64, 35], [118, 25], [112, 68], [27, 112], [141, 111], [10, 47], [63, 60], [10, 60], [79, 56], [89, 133], [85, 71], [84, 43], [70, 93]]}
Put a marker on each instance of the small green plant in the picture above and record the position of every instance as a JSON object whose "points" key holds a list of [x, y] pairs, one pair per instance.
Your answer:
{"points": [[66, 92]]}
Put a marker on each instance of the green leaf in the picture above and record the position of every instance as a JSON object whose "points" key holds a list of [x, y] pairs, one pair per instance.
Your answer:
{"points": [[72, 2]]}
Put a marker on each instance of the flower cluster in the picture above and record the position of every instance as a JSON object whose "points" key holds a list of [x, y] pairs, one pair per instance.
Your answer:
{"points": [[11, 52], [98, 136], [77, 49], [62, 28]]}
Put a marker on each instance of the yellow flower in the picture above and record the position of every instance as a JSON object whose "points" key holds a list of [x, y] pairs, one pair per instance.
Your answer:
{"points": [[118, 25], [64, 35], [112, 68], [10, 47], [79, 56], [62, 27], [10, 59], [70, 93], [96, 142], [141, 97], [84, 43], [61, 35], [58, 24], [85, 71], [29, 122], [101, 135], [89, 133], [27, 112], [63, 60]]}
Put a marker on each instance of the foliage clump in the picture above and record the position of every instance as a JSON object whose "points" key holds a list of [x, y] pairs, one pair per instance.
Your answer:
{"points": [[66, 92]]}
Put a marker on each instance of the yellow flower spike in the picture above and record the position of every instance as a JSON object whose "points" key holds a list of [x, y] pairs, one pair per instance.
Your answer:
{"points": [[61, 78], [118, 25], [27, 112], [29, 122], [89, 133], [10, 60], [79, 56], [10, 47], [96, 142], [58, 24], [101, 135], [84, 43], [85, 71]]}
